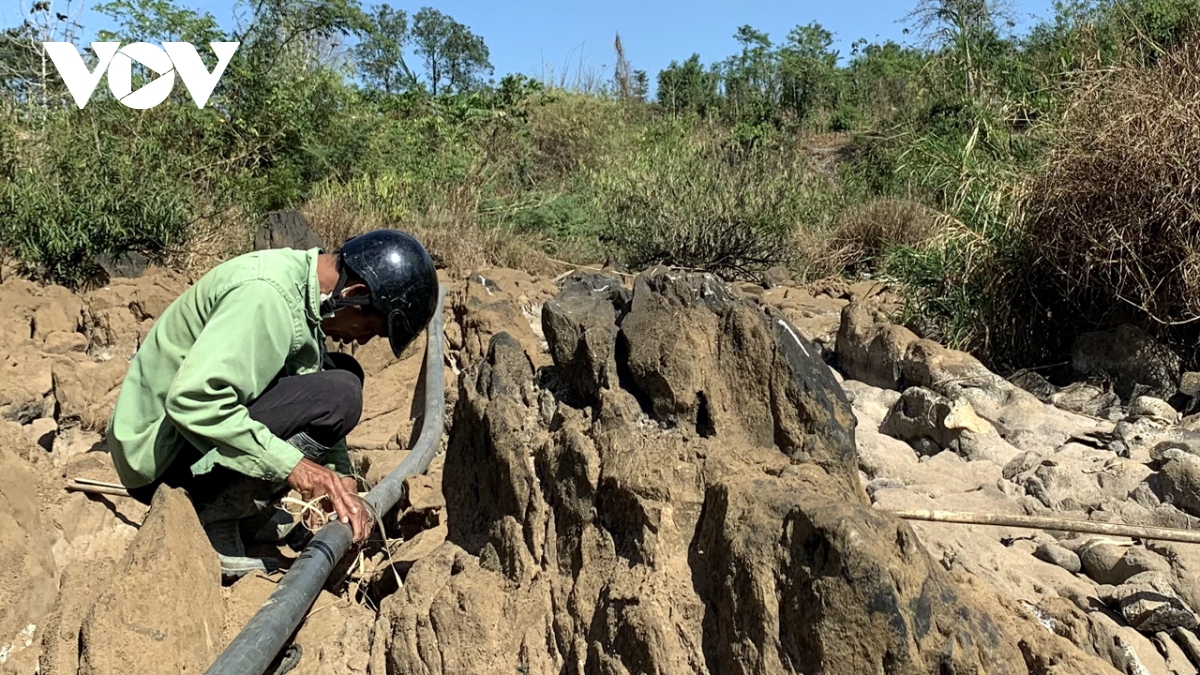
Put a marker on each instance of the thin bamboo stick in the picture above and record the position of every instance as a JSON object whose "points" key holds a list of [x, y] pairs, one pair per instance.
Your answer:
{"points": [[72, 486], [1057, 524]]}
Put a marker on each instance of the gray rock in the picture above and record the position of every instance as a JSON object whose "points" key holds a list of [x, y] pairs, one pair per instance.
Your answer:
{"points": [[1099, 560], [1154, 409], [919, 414], [884, 484], [1178, 482], [1138, 560], [287, 229], [1084, 398], [1189, 384], [1131, 358], [580, 324], [1057, 555], [1149, 603], [1032, 382]]}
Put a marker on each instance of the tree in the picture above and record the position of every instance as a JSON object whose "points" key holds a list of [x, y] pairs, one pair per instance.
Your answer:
{"points": [[961, 26], [750, 78], [687, 87], [452, 53], [159, 21], [807, 69], [380, 54]]}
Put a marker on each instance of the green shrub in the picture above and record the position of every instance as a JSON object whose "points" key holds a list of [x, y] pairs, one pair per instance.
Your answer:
{"points": [[693, 206]]}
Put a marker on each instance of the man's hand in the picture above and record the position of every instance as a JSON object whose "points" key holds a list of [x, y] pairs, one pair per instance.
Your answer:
{"points": [[312, 480]]}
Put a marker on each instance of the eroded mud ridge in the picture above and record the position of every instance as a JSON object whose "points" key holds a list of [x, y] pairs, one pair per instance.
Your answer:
{"points": [[660, 474]]}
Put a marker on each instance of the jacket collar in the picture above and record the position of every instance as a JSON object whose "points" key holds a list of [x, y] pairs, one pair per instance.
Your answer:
{"points": [[313, 304]]}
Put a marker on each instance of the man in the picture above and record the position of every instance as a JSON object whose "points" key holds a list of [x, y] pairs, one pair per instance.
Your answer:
{"points": [[233, 397]]}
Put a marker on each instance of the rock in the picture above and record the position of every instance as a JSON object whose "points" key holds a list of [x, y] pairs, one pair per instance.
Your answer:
{"points": [[1085, 399], [1021, 420], [690, 521], [1057, 555], [582, 334], [869, 351], [1138, 560], [1154, 409], [815, 317], [162, 611], [931, 423], [1178, 483], [500, 301], [61, 342], [117, 317], [287, 229], [1131, 358], [686, 333], [1150, 604], [1033, 382], [920, 413], [1099, 561], [86, 391], [82, 582], [1189, 384], [29, 583], [1076, 477], [42, 431], [1189, 642]]}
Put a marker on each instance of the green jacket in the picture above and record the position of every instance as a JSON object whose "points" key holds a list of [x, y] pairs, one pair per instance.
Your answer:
{"points": [[211, 353]]}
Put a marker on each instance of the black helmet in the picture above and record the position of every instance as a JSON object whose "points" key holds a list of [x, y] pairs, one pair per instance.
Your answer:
{"points": [[401, 277]]}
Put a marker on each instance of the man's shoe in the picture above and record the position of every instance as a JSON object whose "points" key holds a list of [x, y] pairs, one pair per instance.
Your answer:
{"points": [[226, 539]]}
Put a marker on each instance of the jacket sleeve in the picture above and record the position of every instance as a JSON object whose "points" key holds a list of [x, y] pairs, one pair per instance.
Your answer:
{"points": [[242, 347]]}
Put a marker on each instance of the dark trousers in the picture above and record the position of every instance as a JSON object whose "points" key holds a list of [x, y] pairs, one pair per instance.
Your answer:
{"points": [[326, 405]]}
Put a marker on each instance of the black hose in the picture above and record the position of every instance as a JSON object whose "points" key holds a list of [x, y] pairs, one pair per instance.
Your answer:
{"points": [[256, 646]]}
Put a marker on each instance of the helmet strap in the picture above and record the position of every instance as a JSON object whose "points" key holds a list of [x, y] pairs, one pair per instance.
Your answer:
{"points": [[337, 301]]}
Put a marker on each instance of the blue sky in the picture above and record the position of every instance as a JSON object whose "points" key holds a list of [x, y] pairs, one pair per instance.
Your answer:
{"points": [[554, 37]]}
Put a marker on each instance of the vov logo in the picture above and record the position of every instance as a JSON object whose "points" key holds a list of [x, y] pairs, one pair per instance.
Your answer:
{"points": [[171, 58]]}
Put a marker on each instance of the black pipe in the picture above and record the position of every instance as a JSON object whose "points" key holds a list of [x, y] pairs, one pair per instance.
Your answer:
{"points": [[255, 647]]}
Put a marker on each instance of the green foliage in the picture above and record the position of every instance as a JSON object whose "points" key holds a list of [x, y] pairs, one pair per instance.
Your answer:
{"points": [[906, 161], [687, 88], [455, 58], [380, 53], [158, 21], [679, 203]]}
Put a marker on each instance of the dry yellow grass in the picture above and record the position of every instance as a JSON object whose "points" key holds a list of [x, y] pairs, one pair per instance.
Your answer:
{"points": [[1116, 212], [453, 239]]}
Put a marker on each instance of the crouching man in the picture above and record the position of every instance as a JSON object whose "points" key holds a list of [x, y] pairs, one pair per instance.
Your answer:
{"points": [[233, 397]]}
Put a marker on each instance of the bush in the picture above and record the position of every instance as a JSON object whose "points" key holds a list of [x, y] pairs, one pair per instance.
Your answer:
{"points": [[75, 190], [699, 205], [865, 233], [1113, 215]]}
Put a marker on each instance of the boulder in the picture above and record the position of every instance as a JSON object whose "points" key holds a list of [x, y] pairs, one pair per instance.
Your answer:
{"points": [[1178, 482], [287, 229], [162, 611], [872, 351], [1057, 555], [1085, 398], [1034, 383], [932, 423], [582, 334], [1154, 409], [1149, 603], [690, 521], [29, 583], [1131, 358]]}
